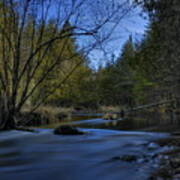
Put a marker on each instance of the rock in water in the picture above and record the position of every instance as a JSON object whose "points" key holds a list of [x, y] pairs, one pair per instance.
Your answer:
{"points": [[153, 146], [128, 158], [67, 130], [176, 133], [110, 116]]}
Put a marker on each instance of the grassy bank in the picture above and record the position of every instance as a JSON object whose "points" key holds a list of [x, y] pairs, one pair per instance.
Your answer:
{"points": [[144, 120], [44, 115]]}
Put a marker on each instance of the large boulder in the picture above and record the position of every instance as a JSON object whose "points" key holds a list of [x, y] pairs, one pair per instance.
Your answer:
{"points": [[67, 130]]}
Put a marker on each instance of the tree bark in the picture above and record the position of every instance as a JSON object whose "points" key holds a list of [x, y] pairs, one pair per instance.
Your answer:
{"points": [[8, 121], [7, 115]]}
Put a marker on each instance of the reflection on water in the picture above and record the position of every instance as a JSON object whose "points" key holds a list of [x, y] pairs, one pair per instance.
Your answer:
{"points": [[147, 121]]}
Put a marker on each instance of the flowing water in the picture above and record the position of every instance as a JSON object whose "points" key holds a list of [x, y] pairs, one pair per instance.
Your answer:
{"points": [[43, 155]]}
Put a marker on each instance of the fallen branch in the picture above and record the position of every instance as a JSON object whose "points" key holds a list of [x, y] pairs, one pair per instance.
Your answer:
{"points": [[151, 105]]}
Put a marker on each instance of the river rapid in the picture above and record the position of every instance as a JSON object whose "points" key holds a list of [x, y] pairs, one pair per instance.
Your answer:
{"points": [[94, 155]]}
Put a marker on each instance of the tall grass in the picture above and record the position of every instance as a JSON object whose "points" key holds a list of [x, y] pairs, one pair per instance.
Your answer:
{"points": [[45, 115]]}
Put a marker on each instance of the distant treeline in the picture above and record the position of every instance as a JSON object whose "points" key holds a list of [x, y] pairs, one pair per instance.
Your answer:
{"points": [[145, 72]]}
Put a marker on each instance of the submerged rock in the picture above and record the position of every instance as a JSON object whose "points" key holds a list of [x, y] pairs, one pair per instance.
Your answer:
{"points": [[153, 146], [177, 171], [176, 177], [176, 133], [143, 160], [175, 162], [128, 158], [67, 130]]}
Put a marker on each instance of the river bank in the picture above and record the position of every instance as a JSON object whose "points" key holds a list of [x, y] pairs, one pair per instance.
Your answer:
{"points": [[169, 168]]}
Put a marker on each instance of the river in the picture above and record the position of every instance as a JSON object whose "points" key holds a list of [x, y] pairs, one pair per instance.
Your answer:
{"points": [[94, 155]]}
